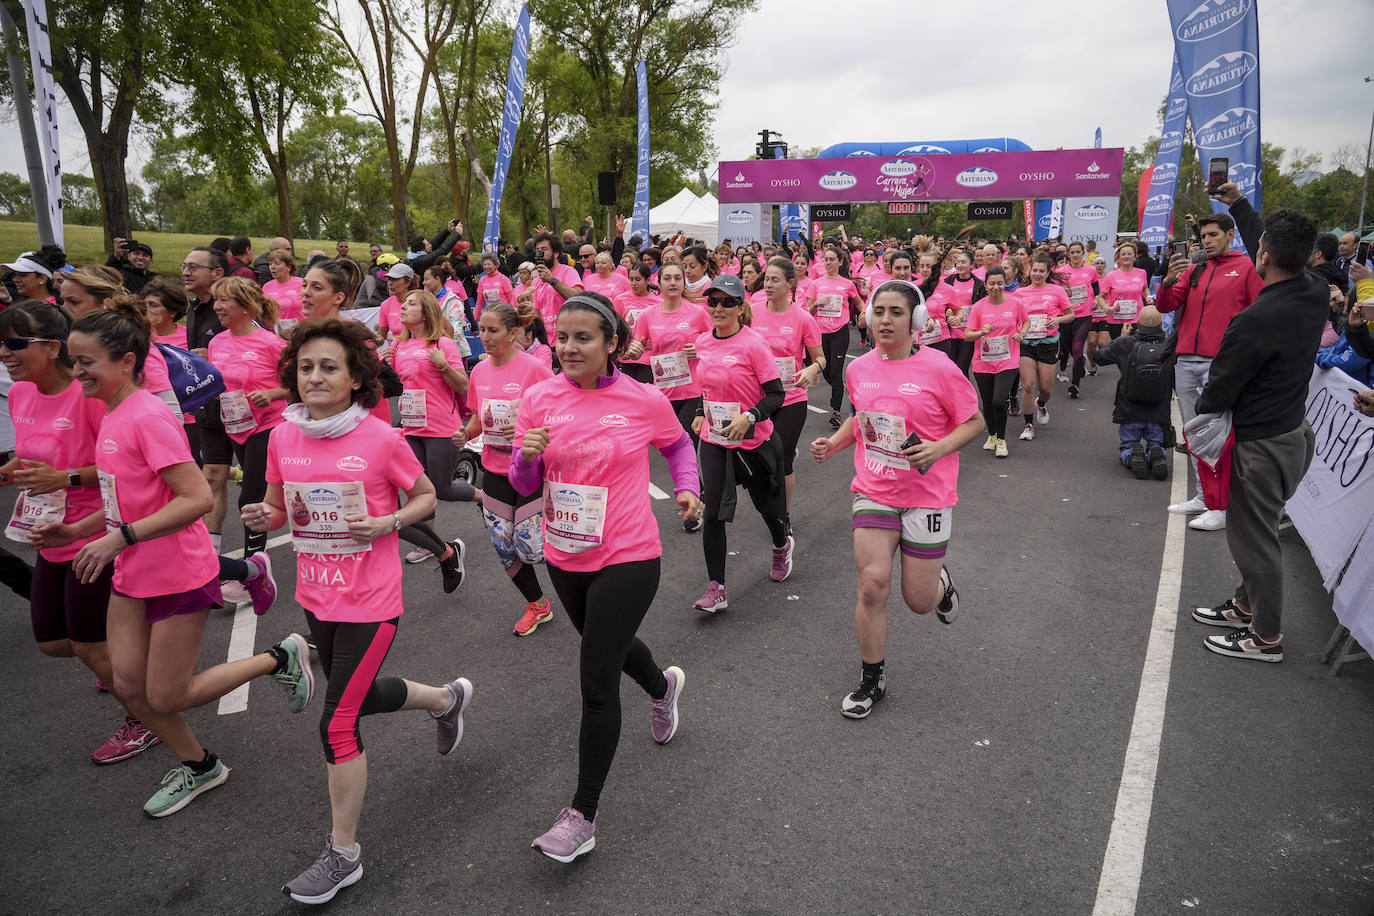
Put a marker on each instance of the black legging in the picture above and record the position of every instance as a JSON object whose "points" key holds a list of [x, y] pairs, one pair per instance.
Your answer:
{"points": [[351, 654], [252, 457], [686, 410], [1072, 341], [835, 346], [439, 457], [788, 421], [770, 501], [640, 372], [961, 351], [993, 389], [606, 606]]}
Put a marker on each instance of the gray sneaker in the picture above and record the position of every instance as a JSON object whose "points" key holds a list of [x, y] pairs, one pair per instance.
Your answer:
{"points": [[326, 876], [451, 721], [297, 680]]}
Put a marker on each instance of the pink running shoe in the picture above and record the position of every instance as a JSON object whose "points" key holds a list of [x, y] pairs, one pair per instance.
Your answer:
{"points": [[714, 600], [569, 837], [262, 588], [665, 718], [782, 561], [131, 739]]}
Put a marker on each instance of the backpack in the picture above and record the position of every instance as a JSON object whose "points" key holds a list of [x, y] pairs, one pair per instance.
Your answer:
{"points": [[1147, 375], [194, 381]]}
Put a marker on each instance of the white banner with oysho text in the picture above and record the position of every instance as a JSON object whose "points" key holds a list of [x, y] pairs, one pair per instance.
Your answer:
{"points": [[1091, 219]]}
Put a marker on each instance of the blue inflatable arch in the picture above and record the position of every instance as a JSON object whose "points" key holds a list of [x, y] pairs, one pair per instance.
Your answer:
{"points": [[923, 148]]}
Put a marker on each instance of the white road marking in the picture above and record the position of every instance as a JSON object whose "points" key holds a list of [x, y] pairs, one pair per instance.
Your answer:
{"points": [[656, 493], [240, 646], [1119, 884], [814, 409]]}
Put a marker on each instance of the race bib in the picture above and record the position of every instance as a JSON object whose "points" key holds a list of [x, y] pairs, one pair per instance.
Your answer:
{"points": [[284, 326], [319, 515], [957, 318], [932, 336], [670, 370], [996, 349], [1078, 294], [413, 413], [787, 371], [1099, 311], [491, 295], [496, 415], [1039, 326], [1127, 309], [574, 516], [718, 416], [830, 307], [30, 510], [883, 435], [236, 412], [109, 501]]}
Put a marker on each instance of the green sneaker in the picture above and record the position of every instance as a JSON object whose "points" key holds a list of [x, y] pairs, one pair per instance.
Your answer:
{"points": [[181, 785], [297, 680]]}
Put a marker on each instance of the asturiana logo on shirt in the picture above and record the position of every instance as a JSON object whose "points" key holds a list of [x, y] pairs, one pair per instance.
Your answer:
{"points": [[62, 423], [909, 388], [976, 177], [838, 180], [109, 446], [614, 421], [1211, 18], [729, 359], [511, 388], [1223, 73], [351, 463], [250, 355]]}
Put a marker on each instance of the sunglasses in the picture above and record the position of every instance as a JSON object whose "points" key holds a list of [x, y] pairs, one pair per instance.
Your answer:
{"points": [[15, 344], [718, 302]]}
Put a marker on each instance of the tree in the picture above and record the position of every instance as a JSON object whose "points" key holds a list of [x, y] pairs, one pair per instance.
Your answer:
{"points": [[338, 172], [468, 59]]}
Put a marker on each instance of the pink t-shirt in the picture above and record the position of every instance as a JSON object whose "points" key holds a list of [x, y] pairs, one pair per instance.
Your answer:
{"points": [[731, 371], [1125, 294], [925, 394], [867, 279], [59, 430], [816, 269], [503, 387], [389, 316], [350, 587], [493, 288], [668, 332], [249, 363], [788, 334], [1050, 301], [155, 377], [288, 296], [997, 350], [1080, 282], [429, 405], [831, 296], [542, 352], [596, 469], [610, 287], [175, 339], [139, 439], [630, 308], [980, 272], [961, 292], [548, 300], [942, 298]]}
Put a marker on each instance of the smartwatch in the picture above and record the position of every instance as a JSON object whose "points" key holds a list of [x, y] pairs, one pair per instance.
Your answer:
{"points": [[73, 479]]}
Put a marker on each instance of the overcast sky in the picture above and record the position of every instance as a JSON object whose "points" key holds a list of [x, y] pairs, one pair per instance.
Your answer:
{"points": [[951, 74]]}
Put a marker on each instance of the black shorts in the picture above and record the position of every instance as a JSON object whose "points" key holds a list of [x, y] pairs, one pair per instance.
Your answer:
{"points": [[215, 445], [1046, 351], [62, 607], [1099, 324]]}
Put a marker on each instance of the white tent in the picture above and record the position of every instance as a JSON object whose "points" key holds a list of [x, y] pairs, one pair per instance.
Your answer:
{"points": [[695, 216]]}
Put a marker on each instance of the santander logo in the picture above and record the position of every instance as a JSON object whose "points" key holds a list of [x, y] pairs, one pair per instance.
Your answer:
{"points": [[351, 463], [614, 421]]}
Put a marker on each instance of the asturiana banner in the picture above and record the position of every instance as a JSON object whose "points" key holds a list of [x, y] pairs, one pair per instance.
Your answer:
{"points": [[1157, 215], [510, 120], [639, 217]]}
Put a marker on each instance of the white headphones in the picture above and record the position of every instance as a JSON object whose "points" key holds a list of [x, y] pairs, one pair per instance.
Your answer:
{"points": [[919, 315]]}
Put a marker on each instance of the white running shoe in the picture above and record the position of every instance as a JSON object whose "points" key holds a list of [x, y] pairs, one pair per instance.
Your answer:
{"points": [[419, 555], [1042, 414], [1211, 520], [1028, 433], [1196, 504]]}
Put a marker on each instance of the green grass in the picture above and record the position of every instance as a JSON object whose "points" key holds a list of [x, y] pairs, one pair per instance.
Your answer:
{"points": [[86, 245]]}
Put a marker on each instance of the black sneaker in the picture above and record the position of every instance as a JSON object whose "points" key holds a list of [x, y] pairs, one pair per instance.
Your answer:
{"points": [[1226, 614], [691, 525], [1139, 466], [835, 420], [452, 567], [948, 608], [860, 703], [1073, 392], [1159, 465]]}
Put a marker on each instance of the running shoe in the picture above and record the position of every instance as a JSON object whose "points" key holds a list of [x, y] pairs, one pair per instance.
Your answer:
{"points": [[129, 740], [1073, 392], [451, 566], [236, 474], [262, 588], [665, 720], [1014, 408], [233, 593], [181, 785], [1042, 413], [691, 525], [948, 608], [1245, 643], [1196, 504], [1061, 376], [782, 561], [419, 555], [1092, 368], [330, 873], [450, 721], [1001, 450], [714, 600], [297, 679], [835, 420], [860, 703], [1028, 433], [100, 685], [536, 612], [990, 444], [1140, 467], [569, 837], [1159, 464], [1226, 614], [1211, 520]]}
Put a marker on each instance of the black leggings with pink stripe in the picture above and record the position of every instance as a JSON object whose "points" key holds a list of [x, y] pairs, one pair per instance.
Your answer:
{"points": [[351, 655]]}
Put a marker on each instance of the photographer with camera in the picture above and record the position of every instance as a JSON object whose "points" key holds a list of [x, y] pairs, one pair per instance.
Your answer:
{"points": [[132, 260]]}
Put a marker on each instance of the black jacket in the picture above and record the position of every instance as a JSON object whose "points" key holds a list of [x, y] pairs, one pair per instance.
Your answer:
{"points": [[1360, 340], [1266, 358], [440, 245], [201, 323], [134, 279], [1119, 353], [1328, 272]]}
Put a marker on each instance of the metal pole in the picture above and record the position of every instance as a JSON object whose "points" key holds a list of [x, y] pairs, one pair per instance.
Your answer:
{"points": [[23, 107], [1359, 231]]}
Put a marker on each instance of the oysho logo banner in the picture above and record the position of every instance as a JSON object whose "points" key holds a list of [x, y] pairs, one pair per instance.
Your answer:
{"points": [[1157, 218], [639, 217], [1091, 219], [510, 120]]}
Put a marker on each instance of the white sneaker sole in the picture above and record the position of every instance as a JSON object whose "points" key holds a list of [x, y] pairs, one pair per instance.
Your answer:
{"points": [[353, 878], [1217, 622], [681, 683], [463, 705], [581, 850], [191, 796], [1253, 656]]}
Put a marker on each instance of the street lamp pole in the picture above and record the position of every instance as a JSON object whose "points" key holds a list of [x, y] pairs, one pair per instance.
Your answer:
{"points": [[1359, 231]]}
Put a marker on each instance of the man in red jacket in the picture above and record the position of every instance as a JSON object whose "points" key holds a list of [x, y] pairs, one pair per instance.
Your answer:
{"points": [[1206, 296]]}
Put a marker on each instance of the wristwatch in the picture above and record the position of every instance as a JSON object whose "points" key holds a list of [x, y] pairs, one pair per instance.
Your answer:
{"points": [[397, 517], [73, 479]]}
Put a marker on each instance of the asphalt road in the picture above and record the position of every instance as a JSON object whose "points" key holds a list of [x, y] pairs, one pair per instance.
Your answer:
{"points": [[986, 782]]}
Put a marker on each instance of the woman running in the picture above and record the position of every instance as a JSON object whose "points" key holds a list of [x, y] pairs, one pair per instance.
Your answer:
{"points": [[995, 324], [494, 286], [1048, 309], [792, 336], [153, 497], [603, 279], [699, 269], [585, 437], [751, 275], [1125, 290], [401, 281], [432, 376], [1082, 282], [831, 300], [906, 475], [285, 287], [54, 468], [740, 392], [631, 304], [1098, 334], [349, 577], [495, 391], [667, 334], [165, 304]]}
